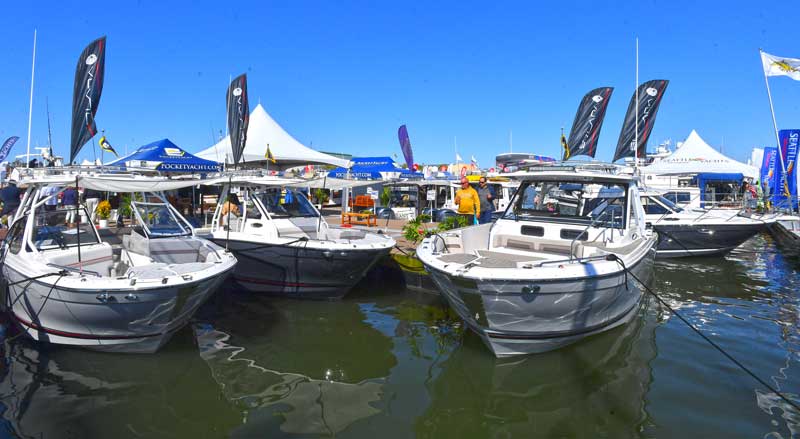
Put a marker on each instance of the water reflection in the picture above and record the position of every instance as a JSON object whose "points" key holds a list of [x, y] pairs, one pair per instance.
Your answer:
{"points": [[60, 392], [596, 387], [747, 303], [295, 366]]}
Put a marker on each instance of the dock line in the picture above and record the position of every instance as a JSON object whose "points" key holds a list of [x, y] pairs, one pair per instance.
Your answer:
{"points": [[613, 257]]}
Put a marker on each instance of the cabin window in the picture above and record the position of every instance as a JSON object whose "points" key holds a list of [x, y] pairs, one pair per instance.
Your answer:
{"points": [[678, 197], [653, 208], [600, 204], [16, 236]]}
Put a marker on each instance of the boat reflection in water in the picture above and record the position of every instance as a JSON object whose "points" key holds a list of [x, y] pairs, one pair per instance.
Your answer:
{"points": [[599, 383], [67, 392], [306, 368]]}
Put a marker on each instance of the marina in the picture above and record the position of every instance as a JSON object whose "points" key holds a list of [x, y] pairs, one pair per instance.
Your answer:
{"points": [[298, 268], [385, 359]]}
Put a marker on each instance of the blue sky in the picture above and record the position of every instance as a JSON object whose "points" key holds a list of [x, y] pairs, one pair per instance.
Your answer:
{"points": [[342, 76]]}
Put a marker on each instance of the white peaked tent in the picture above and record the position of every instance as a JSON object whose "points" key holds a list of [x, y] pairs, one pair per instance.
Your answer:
{"points": [[262, 131], [696, 156]]}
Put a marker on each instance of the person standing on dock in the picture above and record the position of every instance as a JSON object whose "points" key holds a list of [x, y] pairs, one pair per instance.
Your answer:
{"points": [[487, 201], [468, 202]]}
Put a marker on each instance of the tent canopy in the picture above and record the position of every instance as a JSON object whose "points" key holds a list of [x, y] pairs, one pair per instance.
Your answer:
{"points": [[372, 168], [165, 156], [262, 131], [695, 157]]}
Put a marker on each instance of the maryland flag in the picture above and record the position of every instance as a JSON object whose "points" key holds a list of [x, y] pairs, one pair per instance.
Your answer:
{"points": [[269, 155], [105, 146], [778, 66], [565, 146]]}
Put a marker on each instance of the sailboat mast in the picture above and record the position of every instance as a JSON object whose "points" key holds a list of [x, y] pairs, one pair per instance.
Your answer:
{"points": [[30, 105]]}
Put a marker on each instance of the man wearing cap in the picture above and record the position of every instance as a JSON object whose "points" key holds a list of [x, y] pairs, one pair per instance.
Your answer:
{"points": [[9, 195], [487, 201], [468, 202]]}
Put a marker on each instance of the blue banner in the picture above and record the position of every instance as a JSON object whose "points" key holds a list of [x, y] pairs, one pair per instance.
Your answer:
{"points": [[767, 174], [789, 140], [6, 148]]}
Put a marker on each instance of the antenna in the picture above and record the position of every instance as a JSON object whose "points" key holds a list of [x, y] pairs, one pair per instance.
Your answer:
{"points": [[30, 107], [49, 133]]}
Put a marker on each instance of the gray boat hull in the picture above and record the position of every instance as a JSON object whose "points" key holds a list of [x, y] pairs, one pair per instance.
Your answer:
{"points": [[684, 240], [139, 321], [300, 271], [515, 317]]}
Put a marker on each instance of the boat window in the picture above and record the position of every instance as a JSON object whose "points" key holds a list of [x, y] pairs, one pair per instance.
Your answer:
{"points": [[286, 203], [668, 203], [56, 229], [16, 237], [653, 208], [678, 197], [599, 204], [250, 208], [159, 220]]}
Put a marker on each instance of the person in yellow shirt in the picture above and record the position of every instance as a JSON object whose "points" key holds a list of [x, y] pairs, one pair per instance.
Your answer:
{"points": [[469, 205]]}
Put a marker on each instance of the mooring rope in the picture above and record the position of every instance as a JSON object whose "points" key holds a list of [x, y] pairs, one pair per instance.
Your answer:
{"points": [[613, 257]]}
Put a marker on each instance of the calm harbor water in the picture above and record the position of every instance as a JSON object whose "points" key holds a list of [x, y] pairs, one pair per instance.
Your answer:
{"points": [[399, 364]]}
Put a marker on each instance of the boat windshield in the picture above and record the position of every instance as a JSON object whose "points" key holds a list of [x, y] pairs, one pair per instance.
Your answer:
{"points": [[665, 201], [600, 204], [56, 229], [159, 220], [286, 203]]}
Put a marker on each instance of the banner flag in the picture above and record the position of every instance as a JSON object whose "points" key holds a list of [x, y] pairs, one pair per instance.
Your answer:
{"points": [[588, 121], [789, 140], [767, 174], [238, 116], [6, 148], [86, 94], [405, 146], [105, 146], [650, 94]]}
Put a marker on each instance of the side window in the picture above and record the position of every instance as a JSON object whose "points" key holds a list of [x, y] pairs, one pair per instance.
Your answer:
{"points": [[16, 236], [683, 197], [653, 208]]}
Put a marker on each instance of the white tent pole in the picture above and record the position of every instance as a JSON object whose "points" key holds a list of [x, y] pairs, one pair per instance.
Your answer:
{"points": [[30, 106]]}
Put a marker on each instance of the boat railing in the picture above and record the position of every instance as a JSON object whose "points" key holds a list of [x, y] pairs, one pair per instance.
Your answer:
{"points": [[602, 233], [74, 269]]}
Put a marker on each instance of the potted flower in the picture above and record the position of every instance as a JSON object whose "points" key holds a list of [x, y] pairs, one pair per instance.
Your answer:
{"points": [[103, 211]]}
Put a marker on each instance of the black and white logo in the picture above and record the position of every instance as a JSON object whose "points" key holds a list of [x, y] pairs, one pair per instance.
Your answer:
{"points": [[651, 91], [91, 59], [237, 91], [597, 98]]}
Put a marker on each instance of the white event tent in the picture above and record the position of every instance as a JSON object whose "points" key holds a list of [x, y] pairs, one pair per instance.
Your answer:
{"points": [[262, 131], [695, 156]]}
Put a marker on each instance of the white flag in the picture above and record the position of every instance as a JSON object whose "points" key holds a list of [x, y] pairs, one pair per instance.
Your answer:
{"points": [[777, 66], [458, 158]]}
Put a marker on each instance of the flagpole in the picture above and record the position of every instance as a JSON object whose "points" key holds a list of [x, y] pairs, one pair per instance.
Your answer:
{"points": [[636, 135], [775, 125], [30, 106], [772, 110]]}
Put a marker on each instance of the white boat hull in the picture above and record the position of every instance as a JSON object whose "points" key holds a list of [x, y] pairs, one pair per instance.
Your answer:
{"points": [[517, 317], [135, 321]]}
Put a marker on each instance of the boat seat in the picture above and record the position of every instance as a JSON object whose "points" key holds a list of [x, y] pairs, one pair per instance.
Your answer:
{"points": [[536, 244], [95, 257]]}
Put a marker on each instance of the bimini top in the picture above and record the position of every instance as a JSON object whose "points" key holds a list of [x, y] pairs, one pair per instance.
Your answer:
{"points": [[576, 174], [104, 181]]}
